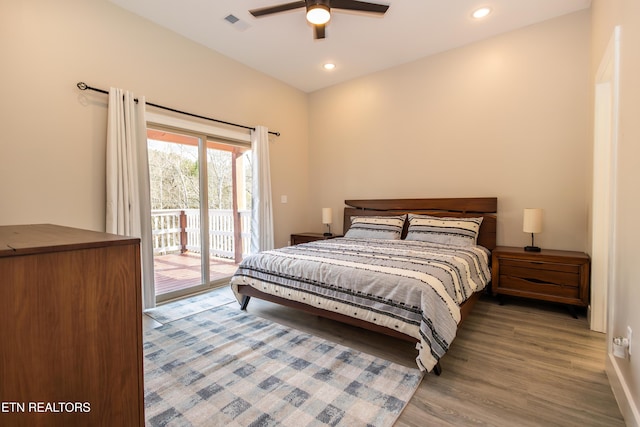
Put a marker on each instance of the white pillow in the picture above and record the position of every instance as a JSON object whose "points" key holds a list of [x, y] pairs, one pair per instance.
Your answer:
{"points": [[376, 227], [444, 230]]}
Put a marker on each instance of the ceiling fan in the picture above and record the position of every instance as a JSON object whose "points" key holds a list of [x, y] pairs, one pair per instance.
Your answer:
{"points": [[319, 11]]}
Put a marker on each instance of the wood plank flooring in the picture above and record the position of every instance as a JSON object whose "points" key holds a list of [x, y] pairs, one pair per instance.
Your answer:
{"points": [[520, 364]]}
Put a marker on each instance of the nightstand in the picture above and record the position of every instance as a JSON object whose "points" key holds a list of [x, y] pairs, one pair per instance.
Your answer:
{"points": [[549, 275], [309, 237]]}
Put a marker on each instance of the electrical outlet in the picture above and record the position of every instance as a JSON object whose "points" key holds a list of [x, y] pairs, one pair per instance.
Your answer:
{"points": [[629, 334]]}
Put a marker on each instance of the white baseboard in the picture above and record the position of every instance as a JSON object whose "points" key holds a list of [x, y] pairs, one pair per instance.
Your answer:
{"points": [[621, 392]]}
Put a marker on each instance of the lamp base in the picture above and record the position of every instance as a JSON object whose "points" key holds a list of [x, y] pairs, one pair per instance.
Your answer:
{"points": [[327, 234], [532, 249]]}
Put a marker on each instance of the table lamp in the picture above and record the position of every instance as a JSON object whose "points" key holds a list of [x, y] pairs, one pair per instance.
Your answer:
{"points": [[327, 217], [532, 223]]}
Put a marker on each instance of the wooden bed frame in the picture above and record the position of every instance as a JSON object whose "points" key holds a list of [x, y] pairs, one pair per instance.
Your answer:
{"points": [[451, 207]]}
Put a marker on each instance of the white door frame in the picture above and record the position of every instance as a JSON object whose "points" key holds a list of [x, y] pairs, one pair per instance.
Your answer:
{"points": [[603, 216]]}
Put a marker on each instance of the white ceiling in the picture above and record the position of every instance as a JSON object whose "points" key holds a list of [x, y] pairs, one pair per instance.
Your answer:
{"points": [[283, 47]]}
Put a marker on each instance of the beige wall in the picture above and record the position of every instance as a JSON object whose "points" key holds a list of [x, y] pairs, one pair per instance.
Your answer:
{"points": [[624, 293], [506, 117], [53, 136]]}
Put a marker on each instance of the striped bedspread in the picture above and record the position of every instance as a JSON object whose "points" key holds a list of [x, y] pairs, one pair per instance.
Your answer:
{"points": [[412, 287]]}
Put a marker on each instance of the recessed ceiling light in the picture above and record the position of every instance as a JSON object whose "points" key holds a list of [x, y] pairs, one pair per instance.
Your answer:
{"points": [[329, 66], [481, 13]]}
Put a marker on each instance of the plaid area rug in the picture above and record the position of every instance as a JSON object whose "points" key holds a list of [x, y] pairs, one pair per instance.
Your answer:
{"points": [[188, 306], [226, 367]]}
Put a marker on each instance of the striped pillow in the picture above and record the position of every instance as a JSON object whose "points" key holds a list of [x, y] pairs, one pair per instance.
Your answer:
{"points": [[376, 227], [444, 230]]}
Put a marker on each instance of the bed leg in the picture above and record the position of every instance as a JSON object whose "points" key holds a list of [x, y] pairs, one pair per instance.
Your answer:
{"points": [[245, 302], [437, 369], [572, 311]]}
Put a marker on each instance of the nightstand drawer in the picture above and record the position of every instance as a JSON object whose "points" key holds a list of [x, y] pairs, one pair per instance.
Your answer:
{"points": [[534, 286], [542, 272], [298, 238]]}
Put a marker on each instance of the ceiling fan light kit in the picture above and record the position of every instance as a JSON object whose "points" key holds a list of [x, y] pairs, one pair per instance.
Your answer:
{"points": [[319, 11], [318, 14]]}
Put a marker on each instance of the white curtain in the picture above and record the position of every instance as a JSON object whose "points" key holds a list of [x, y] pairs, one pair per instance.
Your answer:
{"points": [[128, 194], [262, 211]]}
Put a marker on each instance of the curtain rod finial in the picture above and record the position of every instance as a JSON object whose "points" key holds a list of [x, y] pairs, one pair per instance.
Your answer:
{"points": [[82, 86]]}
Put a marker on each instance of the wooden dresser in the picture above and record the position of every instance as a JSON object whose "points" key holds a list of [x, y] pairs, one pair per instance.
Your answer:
{"points": [[550, 275], [70, 328]]}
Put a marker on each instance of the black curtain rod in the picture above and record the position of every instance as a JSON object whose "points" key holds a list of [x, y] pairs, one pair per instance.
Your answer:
{"points": [[84, 86]]}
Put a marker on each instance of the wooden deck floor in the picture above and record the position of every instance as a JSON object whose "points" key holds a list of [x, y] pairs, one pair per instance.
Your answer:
{"points": [[176, 272]]}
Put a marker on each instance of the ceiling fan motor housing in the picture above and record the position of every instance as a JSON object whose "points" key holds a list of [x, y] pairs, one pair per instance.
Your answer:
{"points": [[311, 3]]}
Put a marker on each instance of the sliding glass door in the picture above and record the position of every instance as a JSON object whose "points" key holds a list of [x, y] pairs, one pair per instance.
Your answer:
{"points": [[201, 203]]}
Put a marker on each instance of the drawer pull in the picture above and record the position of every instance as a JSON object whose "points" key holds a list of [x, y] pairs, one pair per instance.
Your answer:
{"points": [[532, 280]]}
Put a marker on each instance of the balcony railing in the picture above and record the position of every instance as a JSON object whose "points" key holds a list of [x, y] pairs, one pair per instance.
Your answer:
{"points": [[178, 231]]}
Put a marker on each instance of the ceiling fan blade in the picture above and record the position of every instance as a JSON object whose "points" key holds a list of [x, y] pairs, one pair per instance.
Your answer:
{"points": [[277, 9], [361, 6], [318, 31]]}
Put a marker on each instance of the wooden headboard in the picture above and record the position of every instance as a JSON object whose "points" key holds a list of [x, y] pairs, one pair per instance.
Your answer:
{"points": [[486, 207]]}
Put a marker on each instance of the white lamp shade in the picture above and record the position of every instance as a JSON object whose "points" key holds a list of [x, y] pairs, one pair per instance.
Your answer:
{"points": [[532, 222], [327, 215]]}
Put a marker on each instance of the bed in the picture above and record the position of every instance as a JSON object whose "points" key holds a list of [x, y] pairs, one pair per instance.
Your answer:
{"points": [[408, 268]]}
